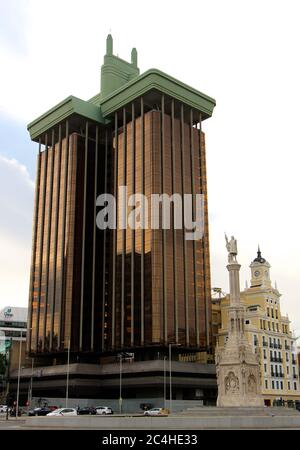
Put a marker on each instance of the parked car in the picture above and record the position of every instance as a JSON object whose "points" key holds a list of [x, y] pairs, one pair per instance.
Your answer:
{"points": [[86, 410], [39, 411], [3, 408], [103, 410], [63, 412], [155, 412]]}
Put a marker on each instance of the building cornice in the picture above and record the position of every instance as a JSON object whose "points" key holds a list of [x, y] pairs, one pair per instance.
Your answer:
{"points": [[64, 110]]}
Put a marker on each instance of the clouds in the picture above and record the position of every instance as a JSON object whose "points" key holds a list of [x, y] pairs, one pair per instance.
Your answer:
{"points": [[12, 23], [16, 197], [16, 206]]}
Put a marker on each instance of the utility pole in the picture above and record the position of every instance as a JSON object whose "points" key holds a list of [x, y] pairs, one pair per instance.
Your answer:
{"points": [[8, 376], [68, 372], [165, 383], [19, 374], [120, 396]]}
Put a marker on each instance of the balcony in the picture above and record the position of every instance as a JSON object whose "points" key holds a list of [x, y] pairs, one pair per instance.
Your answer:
{"points": [[287, 347], [293, 361], [275, 345], [295, 376], [279, 346], [271, 345], [265, 344]]}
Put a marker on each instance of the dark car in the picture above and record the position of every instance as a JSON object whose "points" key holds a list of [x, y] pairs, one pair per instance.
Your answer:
{"points": [[86, 410], [39, 411]]}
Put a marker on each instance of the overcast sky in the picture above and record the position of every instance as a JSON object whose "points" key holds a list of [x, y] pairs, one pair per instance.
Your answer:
{"points": [[245, 54]]}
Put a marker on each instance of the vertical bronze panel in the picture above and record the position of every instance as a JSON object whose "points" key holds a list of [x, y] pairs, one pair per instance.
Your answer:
{"points": [[194, 191], [83, 233], [163, 159], [104, 249], [186, 297], [113, 312], [148, 240], [57, 181], [34, 244], [45, 251], [123, 231], [48, 237], [157, 309], [180, 288], [142, 231], [94, 236], [205, 236], [70, 290], [45, 155], [63, 252], [132, 231], [173, 225]]}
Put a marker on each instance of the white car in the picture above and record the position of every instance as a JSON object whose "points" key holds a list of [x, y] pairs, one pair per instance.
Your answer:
{"points": [[3, 408], [63, 412], [103, 410], [155, 412]]}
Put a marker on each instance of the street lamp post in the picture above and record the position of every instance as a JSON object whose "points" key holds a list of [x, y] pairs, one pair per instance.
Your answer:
{"points": [[126, 356], [120, 394], [19, 373], [165, 384], [8, 377], [68, 372], [170, 373], [31, 383]]}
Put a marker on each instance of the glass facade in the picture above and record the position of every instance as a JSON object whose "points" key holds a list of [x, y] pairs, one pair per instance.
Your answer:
{"points": [[62, 269], [118, 289], [160, 282]]}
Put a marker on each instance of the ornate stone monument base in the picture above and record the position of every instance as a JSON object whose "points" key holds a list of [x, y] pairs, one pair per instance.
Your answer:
{"points": [[238, 375]]}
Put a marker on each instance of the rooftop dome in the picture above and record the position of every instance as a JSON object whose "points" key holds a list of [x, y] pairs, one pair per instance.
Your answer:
{"points": [[259, 258]]}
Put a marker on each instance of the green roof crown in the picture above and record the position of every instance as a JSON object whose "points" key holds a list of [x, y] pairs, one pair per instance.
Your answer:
{"points": [[116, 72]]}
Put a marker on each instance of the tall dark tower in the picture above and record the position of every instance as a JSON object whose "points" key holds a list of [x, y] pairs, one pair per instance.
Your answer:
{"points": [[105, 291]]}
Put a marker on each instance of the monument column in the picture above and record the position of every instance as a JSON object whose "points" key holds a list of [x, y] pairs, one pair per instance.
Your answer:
{"points": [[236, 365]]}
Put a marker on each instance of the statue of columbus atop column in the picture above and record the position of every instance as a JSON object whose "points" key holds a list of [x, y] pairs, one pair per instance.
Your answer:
{"points": [[231, 247]]}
